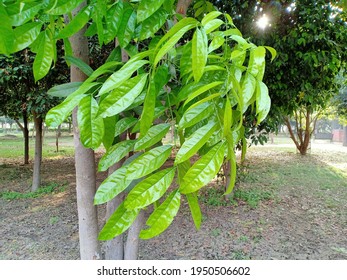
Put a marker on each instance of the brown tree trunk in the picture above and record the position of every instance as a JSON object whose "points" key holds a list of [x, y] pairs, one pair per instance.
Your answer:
{"points": [[344, 143], [26, 138], [84, 163], [57, 135], [182, 6], [38, 152], [131, 249]]}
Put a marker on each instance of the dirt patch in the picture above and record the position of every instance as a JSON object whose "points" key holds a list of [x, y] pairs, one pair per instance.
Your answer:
{"points": [[303, 219]]}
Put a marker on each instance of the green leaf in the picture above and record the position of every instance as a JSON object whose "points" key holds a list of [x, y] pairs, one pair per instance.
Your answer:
{"points": [[192, 144], [227, 121], [118, 223], [64, 90], [153, 135], [232, 158], [201, 90], [122, 96], [109, 131], [173, 36], [204, 100], [76, 24], [59, 113], [63, 7], [23, 12], [248, 87], [44, 57], [263, 101], [148, 8], [163, 216], [25, 35], [113, 20], [272, 51], [91, 126], [152, 24], [148, 162], [216, 42], [209, 17], [126, 27], [147, 115], [124, 124], [84, 67], [204, 170], [122, 75], [243, 44], [112, 186], [150, 189], [115, 154], [194, 207], [195, 115], [256, 61], [213, 25], [7, 37], [106, 68], [199, 53]]}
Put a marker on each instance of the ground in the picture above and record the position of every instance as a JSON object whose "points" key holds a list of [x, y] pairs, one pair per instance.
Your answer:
{"points": [[285, 207]]}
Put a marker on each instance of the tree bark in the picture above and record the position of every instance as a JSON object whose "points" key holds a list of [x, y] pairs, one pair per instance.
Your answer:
{"points": [[84, 163], [344, 143], [131, 250], [26, 138], [57, 135], [38, 152], [182, 6]]}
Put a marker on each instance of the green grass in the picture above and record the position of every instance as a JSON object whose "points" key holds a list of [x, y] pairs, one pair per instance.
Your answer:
{"points": [[14, 148], [51, 188]]}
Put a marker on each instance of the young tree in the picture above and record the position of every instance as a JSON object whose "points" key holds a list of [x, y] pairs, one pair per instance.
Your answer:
{"points": [[202, 74]]}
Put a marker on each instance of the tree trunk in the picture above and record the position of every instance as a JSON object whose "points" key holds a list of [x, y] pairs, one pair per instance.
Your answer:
{"points": [[84, 163], [26, 138], [182, 6], [38, 152], [131, 250], [57, 135], [344, 143]]}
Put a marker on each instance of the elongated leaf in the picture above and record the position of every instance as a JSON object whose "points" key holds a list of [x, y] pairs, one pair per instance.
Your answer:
{"points": [[23, 12], [115, 154], [108, 67], [148, 8], [213, 25], [118, 223], [25, 35], [232, 156], [204, 170], [272, 51], [227, 121], [163, 216], [121, 75], [204, 100], [63, 7], [152, 24], [91, 126], [84, 67], [59, 113], [188, 89], [256, 61], [147, 115], [216, 42], [199, 53], [7, 37], [109, 131], [194, 207], [112, 186], [150, 189], [44, 57], [263, 101], [113, 20], [195, 142], [201, 90], [124, 124], [186, 61], [209, 17], [240, 40], [75, 24], [64, 90], [173, 36], [122, 96], [126, 27], [153, 135], [195, 115], [148, 162], [248, 89]]}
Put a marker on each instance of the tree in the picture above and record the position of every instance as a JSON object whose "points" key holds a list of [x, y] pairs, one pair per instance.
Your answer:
{"points": [[310, 37], [200, 73]]}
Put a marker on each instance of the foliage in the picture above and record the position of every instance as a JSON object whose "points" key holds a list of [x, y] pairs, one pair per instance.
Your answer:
{"points": [[201, 73], [339, 102]]}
